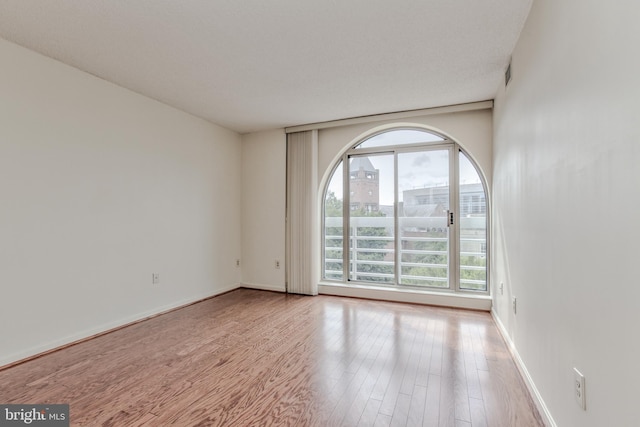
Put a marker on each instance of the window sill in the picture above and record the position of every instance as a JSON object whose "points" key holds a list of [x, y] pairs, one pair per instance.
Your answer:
{"points": [[416, 296]]}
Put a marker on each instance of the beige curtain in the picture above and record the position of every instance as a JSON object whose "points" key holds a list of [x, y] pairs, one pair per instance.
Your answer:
{"points": [[302, 241]]}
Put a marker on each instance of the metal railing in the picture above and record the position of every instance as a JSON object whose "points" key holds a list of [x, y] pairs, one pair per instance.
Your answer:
{"points": [[424, 254]]}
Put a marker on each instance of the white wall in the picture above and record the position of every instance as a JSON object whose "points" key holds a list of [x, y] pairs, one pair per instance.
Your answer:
{"points": [[263, 209], [100, 187], [566, 203]]}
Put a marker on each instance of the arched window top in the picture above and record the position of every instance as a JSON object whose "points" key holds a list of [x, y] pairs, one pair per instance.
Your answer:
{"points": [[398, 137]]}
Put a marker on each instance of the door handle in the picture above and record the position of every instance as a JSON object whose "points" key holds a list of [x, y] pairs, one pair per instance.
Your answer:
{"points": [[449, 218]]}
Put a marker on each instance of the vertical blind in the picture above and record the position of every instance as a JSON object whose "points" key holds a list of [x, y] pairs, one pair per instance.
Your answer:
{"points": [[302, 151]]}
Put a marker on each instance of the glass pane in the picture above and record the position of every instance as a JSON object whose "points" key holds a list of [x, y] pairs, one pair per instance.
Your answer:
{"points": [[473, 228], [423, 196], [399, 137], [371, 226], [333, 236]]}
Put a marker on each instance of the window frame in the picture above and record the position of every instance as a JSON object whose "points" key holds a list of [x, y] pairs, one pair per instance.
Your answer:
{"points": [[454, 274]]}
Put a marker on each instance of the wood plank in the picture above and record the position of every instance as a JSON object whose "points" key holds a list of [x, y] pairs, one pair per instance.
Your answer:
{"points": [[401, 411], [506, 400], [478, 418], [432, 406], [370, 413], [382, 421], [424, 365], [416, 408], [473, 383]]}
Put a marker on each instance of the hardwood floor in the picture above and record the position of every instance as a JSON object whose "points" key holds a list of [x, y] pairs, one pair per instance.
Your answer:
{"points": [[251, 358]]}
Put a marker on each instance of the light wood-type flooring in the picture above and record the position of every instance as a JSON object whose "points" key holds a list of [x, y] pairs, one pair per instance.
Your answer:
{"points": [[255, 358]]}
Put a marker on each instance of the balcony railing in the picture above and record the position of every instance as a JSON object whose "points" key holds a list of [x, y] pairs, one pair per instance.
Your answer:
{"points": [[424, 251]]}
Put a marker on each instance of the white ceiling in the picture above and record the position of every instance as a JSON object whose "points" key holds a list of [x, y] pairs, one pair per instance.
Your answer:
{"points": [[259, 64]]}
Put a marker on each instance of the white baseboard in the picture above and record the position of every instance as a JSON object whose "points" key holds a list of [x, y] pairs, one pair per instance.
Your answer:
{"points": [[468, 301], [105, 328], [533, 390], [273, 288]]}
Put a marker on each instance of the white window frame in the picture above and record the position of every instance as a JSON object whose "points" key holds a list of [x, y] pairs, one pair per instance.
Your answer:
{"points": [[455, 149]]}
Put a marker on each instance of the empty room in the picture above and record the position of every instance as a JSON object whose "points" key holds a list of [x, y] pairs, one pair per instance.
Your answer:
{"points": [[318, 213]]}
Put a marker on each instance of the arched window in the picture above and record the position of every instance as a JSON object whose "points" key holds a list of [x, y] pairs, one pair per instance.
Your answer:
{"points": [[406, 208]]}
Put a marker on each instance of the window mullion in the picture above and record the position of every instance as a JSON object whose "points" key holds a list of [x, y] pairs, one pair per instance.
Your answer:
{"points": [[346, 218], [396, 220], [454, 202]]}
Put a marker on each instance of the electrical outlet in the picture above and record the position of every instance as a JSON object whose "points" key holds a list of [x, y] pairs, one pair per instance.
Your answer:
{"points": [[155, 278], [578, 389], [515, 305], [238, 263], [501, 288], [277, 263]]}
